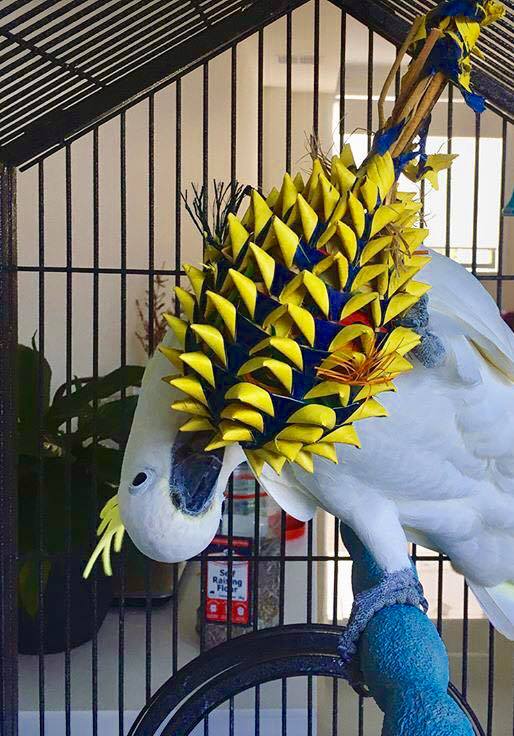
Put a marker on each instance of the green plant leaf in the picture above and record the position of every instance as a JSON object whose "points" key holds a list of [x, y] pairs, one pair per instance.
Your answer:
{"points": [[33, 394], [113, 421], [63, 485], [106, 460], [28, 584], [69, 511], [68, 407]]}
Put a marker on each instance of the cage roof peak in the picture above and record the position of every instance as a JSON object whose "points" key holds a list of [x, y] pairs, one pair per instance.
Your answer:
{"points": [[66, 66]]}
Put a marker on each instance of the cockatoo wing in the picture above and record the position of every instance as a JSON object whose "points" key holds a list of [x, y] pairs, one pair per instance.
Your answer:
{"points": [[290, 495], [497, 602], [498, 605], [459, 295], [462, 298], [440, 468]]}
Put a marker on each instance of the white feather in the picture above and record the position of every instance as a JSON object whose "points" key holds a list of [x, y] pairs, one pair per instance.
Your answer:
{"points": [[498, 605], [288, 493], [458, 294]]}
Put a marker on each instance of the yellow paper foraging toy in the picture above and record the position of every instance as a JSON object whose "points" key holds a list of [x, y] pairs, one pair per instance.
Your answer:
{"points": [[288, 333], [292, 327]]}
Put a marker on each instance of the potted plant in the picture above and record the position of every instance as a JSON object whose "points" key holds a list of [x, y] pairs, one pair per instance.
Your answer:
{"points": [[69, 461]]}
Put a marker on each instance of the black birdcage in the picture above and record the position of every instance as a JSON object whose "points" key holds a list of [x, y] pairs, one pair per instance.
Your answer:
{"points": [[84, 86]]}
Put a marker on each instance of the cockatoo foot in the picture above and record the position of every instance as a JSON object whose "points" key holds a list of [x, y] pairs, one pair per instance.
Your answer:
{"points": [[402, 587]]}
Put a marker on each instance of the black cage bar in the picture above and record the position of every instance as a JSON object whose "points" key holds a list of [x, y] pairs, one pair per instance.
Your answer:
{"points": [[8, 564], [110, 110]]}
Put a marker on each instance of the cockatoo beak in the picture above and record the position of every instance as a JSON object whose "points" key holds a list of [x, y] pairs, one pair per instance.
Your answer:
{"points": [[171, 491], [194, 473]]}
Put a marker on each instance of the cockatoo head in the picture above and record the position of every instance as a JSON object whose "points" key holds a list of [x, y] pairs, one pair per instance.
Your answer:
{"points": [[171, 491]]}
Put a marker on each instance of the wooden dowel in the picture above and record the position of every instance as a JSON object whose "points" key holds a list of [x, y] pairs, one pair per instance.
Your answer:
{"points": [[415, 69], [392, 72], [442, 81], [415, 97], [432, 94]]}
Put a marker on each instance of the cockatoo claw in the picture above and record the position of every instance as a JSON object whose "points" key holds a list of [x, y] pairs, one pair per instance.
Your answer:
{"points": [[395, 588]]}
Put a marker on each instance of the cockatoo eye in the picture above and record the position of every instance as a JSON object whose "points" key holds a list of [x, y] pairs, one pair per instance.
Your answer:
{"points": [[142, 481]]}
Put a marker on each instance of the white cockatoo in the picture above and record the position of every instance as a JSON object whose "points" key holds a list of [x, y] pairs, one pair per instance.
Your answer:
{"points": [[298, 320], [438, 471]]}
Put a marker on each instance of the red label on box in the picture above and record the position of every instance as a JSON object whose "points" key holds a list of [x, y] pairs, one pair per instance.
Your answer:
{"points": [[217, 586]]}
